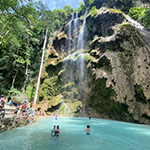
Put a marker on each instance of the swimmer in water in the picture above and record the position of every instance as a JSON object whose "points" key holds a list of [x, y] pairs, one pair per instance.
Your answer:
{"points": [[57, 131], [53, 132], [87, 130]]}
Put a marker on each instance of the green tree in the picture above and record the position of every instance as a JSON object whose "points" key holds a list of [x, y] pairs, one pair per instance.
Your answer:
{"points": [[22, 32], [82, 8], [60, 16], [68, 9]]}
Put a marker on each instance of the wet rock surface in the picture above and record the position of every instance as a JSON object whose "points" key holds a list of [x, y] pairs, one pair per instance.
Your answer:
{"points": [[117, 71], [12, 123]]}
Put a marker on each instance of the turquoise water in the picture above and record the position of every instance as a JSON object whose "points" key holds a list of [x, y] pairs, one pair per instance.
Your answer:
{"points": [[105, 135]]}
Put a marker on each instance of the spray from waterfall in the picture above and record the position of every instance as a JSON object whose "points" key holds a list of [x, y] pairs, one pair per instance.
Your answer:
{"points": [[74, 70], [81, 62], [68, 74], [81, 45]]}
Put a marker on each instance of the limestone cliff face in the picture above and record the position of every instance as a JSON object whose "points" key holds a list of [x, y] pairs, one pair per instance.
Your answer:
{"points": [[117, 62]]}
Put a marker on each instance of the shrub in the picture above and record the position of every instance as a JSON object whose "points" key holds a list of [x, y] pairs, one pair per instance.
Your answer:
{"points": [[14, 92], [93, 12], [141, 14]]}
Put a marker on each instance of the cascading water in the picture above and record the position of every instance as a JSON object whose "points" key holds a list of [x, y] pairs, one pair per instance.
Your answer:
{"points": [[76, 21], [81, 46], [74, 73], [68, 76], [81, 38], [76, 24], [69, 32]]}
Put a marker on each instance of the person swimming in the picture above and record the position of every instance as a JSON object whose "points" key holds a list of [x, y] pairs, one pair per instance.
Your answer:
{"points": [[57, 131], [87, 130], [53, 131]]}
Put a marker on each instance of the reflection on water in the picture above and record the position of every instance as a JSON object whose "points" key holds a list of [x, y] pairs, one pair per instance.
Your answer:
{"points": [[105, 135]]}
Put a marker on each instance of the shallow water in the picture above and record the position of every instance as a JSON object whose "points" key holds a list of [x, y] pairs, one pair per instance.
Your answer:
{"points": [[105, 135]]}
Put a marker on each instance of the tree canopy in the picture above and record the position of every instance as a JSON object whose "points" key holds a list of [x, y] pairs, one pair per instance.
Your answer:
{"points": [[22, 28]]}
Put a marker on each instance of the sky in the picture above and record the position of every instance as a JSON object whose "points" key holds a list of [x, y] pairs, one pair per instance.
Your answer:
{"points": [[53, 4]]}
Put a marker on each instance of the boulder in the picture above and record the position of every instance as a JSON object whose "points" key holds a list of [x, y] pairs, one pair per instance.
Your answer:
{"points": [[19, 99]]}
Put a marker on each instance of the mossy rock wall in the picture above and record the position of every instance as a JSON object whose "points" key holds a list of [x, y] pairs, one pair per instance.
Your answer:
{"points": [[116, 70], [102, 24]]}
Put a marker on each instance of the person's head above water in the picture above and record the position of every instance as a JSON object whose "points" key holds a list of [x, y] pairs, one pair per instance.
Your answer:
{"points": [[88, 126]]}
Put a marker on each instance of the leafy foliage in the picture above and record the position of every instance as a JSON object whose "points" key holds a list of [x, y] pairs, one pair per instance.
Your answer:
{"points": [[135, 12], [22, 29], [93, 12], [14, 92], [141, 14], [68, 9], [82, 8]]}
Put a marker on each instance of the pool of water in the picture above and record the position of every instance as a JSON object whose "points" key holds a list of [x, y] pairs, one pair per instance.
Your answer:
{"points": [[105, 135]]}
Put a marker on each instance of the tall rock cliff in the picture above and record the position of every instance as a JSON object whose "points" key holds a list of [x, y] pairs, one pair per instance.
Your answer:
{"points": [[113, 82]]}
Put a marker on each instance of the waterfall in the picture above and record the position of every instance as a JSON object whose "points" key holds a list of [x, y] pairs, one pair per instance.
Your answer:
{"points": [[76, 21], [69, 28], [74, 72], [76, 24], [81, 45], [81, 41]]}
